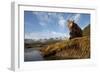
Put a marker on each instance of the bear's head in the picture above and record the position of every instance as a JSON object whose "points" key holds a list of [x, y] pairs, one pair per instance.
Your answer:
{"points": [[70, 23]]}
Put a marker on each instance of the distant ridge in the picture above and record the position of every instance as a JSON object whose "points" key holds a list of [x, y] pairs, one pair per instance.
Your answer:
{"points": [[86, 30]]}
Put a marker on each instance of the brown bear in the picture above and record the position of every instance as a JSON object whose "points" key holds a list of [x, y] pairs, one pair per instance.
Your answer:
{"points": [[75, 30]]}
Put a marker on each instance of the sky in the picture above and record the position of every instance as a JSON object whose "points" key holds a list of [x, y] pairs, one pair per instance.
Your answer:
{"points": [[45, 25]]}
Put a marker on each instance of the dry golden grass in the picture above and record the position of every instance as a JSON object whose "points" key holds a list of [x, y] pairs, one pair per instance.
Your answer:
{"points": [[78, 48]]}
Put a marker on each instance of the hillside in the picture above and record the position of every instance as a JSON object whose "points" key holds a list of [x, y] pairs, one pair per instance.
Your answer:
{"points": [[86, 31], [77, 48]]}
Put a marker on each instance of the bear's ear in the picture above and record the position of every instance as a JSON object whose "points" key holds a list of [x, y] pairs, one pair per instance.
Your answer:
{"points": [[68, 21], [72, 21]]}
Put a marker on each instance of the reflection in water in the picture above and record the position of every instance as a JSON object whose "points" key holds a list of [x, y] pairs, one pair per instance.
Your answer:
{"points": [[31, 54]]}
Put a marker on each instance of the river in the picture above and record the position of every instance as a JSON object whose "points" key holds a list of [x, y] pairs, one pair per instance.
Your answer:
{"points": [[32, 54]]}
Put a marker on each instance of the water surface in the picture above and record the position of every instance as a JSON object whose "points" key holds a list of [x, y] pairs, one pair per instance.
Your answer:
{"points": [[32, 54]]}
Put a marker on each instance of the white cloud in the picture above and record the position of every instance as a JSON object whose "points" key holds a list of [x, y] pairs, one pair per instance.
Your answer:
{"points": [[77, 17], [42, 23], [44, 35], [53, 15], [61, 21], [43, 18]]}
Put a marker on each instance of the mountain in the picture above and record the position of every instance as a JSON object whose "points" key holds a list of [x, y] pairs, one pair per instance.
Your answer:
{"points": [[86, 31], [28, 41]]}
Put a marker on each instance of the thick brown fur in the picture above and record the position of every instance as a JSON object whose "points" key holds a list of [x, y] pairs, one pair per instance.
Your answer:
{"points": [[75, 30]]}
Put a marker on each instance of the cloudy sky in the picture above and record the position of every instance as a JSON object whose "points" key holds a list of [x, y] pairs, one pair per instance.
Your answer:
{"points": [[41, 25]]}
